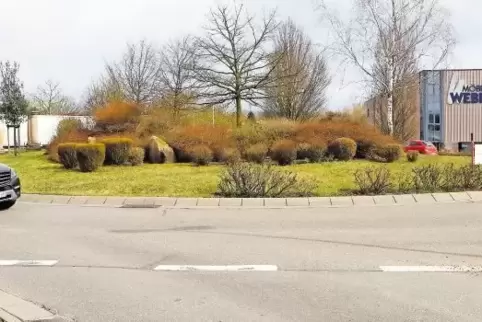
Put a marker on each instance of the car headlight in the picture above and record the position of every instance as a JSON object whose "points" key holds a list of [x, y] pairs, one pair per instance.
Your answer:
{"points": [[13, 173]]}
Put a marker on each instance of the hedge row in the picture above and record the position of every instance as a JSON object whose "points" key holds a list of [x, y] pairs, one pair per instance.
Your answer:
{"points": [[87, 156], [422, 179]]}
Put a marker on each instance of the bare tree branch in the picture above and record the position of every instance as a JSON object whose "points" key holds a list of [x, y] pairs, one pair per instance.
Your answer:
{"points": [[138, 74], [49, 99], [300, 77], [233, 61], [177, 80], [387, 38]]}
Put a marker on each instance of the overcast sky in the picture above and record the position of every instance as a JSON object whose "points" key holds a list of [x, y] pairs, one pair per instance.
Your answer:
{"points": [[69, 40]]}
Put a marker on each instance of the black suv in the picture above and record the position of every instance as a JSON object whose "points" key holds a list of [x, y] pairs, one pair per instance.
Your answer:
{"points": [[9, 187]]}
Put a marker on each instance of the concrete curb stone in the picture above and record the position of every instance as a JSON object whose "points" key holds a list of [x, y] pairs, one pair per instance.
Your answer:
{"points": [[14, 309], [312, 202]]}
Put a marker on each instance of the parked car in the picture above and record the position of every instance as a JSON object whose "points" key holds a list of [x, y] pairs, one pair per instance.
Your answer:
{"points": [[10, 189], [422, 147]]}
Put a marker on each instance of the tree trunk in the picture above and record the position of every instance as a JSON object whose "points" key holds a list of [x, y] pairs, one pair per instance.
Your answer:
{"points": [[15, 152], [391, 85], [8, 139], [390, 108], [238, 111]]}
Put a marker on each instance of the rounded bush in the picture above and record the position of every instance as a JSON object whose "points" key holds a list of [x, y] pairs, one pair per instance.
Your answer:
{"points": [[387, 154], [136, 156], [364, 148], [227, 155], [117, 150], [314, 152], [412, 156], [67, 155], [303, 151], [257, 153], [343, 149], [201, 154], [284, 152], [90, 156]]}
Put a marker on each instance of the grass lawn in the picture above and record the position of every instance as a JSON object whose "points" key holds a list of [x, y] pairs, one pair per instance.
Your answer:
{"points": [[38, 175]]}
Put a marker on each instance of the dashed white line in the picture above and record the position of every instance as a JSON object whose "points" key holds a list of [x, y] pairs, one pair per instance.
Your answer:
{"points": [[16, 262], [431, 269], [217, 268]]}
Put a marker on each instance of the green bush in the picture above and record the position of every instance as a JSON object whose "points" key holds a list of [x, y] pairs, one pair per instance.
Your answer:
{"points": [[201, 154], [247, 180], [386, 154], [90, 156], [427, 178], [470, 177], [256, 153], [136, 156], [412, 156], [117, 150], [343, 149], [284, 152], [68, 155]]}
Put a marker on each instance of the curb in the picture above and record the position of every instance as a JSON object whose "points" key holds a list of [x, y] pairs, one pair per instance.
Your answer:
{"points": [[15, 309], [255, 203]]}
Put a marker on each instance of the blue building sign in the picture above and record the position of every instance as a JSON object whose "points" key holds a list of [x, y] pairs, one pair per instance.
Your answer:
{"points": [[461, 93]]}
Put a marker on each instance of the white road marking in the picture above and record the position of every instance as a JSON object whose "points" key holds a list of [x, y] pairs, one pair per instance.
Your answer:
{"points": [[430, 269], [221, 268], [28, 262]]}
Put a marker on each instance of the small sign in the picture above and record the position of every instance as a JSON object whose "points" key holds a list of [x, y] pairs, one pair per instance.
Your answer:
{"points": [[478, 154]]}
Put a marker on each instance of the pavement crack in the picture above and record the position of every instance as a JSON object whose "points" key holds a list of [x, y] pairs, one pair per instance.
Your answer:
{"points": [[336, 242]]}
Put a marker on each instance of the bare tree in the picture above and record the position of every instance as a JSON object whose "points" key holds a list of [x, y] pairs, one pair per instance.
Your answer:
{"points": [[138, 73], [49, 99], [384, 34], [300, 76], [404, 95], [234, 62], [177, 80], [101, 92]]}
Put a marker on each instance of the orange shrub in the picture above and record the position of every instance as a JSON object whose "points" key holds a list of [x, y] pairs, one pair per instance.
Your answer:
{"points": [[117, 116], [327, 131], [182, 139]]}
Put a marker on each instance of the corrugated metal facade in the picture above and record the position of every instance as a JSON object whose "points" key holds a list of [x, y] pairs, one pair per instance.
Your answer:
{"points": [[459, 119]]}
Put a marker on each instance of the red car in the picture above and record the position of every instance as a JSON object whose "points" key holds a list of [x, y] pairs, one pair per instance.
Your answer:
{"points": [[423, 147]]}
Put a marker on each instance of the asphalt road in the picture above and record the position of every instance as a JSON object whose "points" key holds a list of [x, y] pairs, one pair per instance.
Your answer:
{"points": [[328, 263]]}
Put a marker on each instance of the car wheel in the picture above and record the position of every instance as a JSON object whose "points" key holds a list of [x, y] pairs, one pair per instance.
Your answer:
{"points": [[7, 205]]}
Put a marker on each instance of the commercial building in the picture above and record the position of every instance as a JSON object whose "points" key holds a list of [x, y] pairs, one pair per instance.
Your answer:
{"points": [[446, 107]]}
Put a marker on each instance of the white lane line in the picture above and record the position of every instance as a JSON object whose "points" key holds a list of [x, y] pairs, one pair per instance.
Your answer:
{"points": [[431, 269], [214, 268], [28, 262]]}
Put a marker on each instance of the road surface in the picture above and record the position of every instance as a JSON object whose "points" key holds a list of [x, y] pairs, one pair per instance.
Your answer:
{"points": [[329, 264]]}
